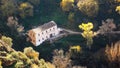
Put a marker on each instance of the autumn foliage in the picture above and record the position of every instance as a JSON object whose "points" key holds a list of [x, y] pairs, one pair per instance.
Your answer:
{"points": [[87, 33], [118, 9], [61, 60], [7, 40], [31, 53], [113, 52], [67, 4], [88, 7]]}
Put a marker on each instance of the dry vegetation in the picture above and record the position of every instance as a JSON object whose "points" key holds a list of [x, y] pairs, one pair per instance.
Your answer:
{"points": [[61, 60], [113, 52], [17, 59], [113, 55]]}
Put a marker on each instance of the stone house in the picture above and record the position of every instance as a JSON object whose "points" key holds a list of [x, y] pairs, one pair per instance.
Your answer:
{"points": [[40, 34]]}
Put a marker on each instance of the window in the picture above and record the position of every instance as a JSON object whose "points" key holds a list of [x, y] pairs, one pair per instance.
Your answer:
{"points": [[50, 29], [39, 40], [42, 33], [53, 28], [42, 38], [46, 31], [51, 35]]}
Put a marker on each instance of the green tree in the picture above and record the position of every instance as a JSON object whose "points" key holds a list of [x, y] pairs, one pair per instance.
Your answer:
{"points": [[8, 7], [25, 9], [16, 7], [34, 2]]}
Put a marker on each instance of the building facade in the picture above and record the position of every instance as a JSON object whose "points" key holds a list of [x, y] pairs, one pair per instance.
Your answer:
{"points": [[42, 33]]}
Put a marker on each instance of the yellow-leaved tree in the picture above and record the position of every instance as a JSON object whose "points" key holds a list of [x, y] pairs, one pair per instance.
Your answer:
{"points": [[31, 53], [118, 1], [117, 9], [88, 34], [67, 4], [88, 7], [25, 9], [75, 48], [7, 40]]}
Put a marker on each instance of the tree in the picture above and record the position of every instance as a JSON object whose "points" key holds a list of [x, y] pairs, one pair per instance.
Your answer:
{"points": [[88, 7], [7, 40], [34, 2], [8, 7], [112, 54], [61, 59], [88, 34], [67, 4], [16, 8], [118, 1], [118, 9], [25, 9], [29, 51], [12, 23]]}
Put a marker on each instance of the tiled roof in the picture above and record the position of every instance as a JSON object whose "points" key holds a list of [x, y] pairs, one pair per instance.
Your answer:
{"points": [[45, 26]]}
